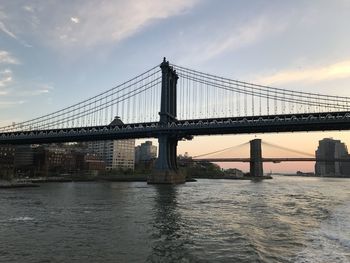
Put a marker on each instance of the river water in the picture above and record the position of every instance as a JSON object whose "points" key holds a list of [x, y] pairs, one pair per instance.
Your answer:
{"points": [[287, 219]]}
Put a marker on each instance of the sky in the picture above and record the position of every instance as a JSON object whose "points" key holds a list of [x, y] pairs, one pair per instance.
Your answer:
{"points": [[56, 53]]}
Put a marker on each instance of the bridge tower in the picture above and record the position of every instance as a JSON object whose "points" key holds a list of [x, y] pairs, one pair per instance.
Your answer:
{"points": [[166, 170], [256, 165]]}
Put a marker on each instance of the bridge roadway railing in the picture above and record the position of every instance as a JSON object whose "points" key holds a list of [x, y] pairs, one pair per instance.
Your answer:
{"points": [[183, 128]]}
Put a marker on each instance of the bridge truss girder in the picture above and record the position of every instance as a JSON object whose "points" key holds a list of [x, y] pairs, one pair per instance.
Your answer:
{"points": [[186, 128]]}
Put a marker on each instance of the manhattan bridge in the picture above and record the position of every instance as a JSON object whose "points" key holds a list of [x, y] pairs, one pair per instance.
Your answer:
{"points": [[173, 103]]}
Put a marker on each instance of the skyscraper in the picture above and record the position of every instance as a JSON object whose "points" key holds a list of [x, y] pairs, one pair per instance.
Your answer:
{"points": [[330, 149]]}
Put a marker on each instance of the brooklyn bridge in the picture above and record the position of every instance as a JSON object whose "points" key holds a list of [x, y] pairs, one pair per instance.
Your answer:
{"points": [[172, 103]]}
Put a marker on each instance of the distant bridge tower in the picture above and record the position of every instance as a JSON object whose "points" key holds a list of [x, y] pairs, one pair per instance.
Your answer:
{"points": [[256, 165], [166, 170]]}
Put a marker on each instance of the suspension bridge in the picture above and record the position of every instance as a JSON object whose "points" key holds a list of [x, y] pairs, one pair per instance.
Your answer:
{"points": [[191, 103], [256, 158]]}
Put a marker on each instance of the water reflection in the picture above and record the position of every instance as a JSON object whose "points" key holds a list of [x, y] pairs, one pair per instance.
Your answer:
{"points": [[168, 235], [281, 220]]}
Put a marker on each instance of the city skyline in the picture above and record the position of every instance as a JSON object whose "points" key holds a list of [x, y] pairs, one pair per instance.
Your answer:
{"points": [[46, 53]]}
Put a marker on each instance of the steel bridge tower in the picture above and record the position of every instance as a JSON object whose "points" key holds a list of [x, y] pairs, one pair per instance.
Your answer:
{"points": [[166, 170]]}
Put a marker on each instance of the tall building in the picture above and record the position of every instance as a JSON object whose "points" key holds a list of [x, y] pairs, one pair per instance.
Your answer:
{"points": [[145, 152], [117, 154], [329, 149]]}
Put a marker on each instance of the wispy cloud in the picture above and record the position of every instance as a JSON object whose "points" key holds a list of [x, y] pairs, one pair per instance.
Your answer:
{"points": [[112, 22], [227, 36], [82, 24], [28, 8], [7, 58], [337, 70], [5, 77], [15, 92], [242, 36], [16, 22], [75, 20], [38, 90], [4, 29], [9, 104]]}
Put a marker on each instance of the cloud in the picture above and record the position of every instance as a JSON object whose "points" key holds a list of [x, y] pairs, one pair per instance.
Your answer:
{"points": [[83, 24], [7, 31], [36, 89], [75, 20], [111, 22], [41, 89], [242, 36], [13, 93], [227, 36], [7, 58], [9, 104], [338, 70], [28, 8], [16, 22], [5, 77]]}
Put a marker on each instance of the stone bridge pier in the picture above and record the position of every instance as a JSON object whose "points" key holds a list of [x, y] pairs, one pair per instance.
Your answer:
{"points": [[256, 164], [166, 170]]}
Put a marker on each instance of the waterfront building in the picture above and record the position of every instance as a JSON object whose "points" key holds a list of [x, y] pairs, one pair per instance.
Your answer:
{"points": [[93, 164], [24, 160], [7, 153], [345, 167], [66, 159], [117, 154], [145, 152], [330, 149], [56, 159]]}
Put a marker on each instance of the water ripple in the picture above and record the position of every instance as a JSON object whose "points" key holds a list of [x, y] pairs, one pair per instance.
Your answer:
{"points": [[282, 220]]}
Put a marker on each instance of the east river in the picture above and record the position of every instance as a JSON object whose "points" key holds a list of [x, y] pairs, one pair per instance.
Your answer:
{"points": [[287, 219]]}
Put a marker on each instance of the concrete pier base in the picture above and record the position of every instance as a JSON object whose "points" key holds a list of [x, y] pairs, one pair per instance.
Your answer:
{"points": [[166, 171], [166, 177]]}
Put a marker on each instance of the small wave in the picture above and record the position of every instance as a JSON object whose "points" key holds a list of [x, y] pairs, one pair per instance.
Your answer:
{"points": [[331, 242], [22, 218]]}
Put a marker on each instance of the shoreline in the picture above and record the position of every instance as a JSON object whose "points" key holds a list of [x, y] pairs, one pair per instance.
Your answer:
{"points": [[313, 176], [35, 182], [22, 184]]}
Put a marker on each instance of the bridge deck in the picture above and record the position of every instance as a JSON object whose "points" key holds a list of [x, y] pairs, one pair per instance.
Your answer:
{"points": [[184, 128], [272, 160]]}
